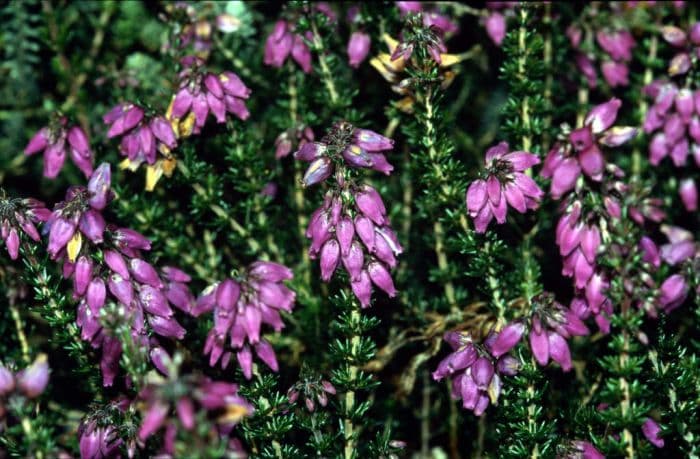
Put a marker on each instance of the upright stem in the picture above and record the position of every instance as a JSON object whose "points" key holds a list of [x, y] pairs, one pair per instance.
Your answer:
{"points": [[425, 416], [548, 82], [302, 220], [21, 337], [626, 400], [438, 230], [349, 427], [643, 105], [326, 74], [522, 58], [498, 303]]}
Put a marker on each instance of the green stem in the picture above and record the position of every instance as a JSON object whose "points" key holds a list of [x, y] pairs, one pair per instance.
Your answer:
{"points": [[302, 219], [326, 74], [438, 229], [349, 427], [21, 337], [643, 105], [549, 79], [525, 103]]}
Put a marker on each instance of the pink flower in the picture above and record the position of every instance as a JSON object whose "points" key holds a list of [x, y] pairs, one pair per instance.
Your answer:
{"points": [[282, 42], [56, 140], [365, 246], [550, 326], [505, 184], [583, 153], [358, 48], [475, 370], [651, 431], [359, 148], [240, 307], [201, 93]]}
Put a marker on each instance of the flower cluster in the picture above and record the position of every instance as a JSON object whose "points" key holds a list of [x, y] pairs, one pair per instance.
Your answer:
{"points": [[292, 139], [108, 268], [174, 404], [283, 42], [352, 218], [616, 45], [476, 369], [57, 139], [99, 437], [578, 232], [344, 144], [417, 36], [240, 307], [551, 324], [582, 151], [687, 44], [201, 93], [312, 390], [151, 139], [29, 382], [393, 70], [429, 17], [674, 121], [197, 26], [19, 216], [343, 228], [142, 139], [504, 184]]}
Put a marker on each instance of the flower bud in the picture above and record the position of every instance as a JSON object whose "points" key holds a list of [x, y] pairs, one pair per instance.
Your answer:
{"points": [[33, 380]]}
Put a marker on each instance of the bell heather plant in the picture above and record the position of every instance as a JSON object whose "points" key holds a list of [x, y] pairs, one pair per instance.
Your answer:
{"points": [[404, 229]]}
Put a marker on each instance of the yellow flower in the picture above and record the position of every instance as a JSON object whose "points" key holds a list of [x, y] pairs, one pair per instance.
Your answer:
{"points": [[73, 247], [392, 71]]}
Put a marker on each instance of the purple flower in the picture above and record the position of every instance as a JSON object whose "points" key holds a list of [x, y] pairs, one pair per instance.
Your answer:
{"points": [[33, 380], [429, 18], [312, 390], [176, 403], [142, 139], [474, 369], [495, 24], [358, 48], [18, 216], [98, 442], [550, 326], [7, 381], [282, 42], [284, 143], [616, 44], [240, 307], [366, 246], [673, 292], [681, 246], [582, 450], [201, 93], [55, 141], [688, 45], [582, 153], [651, 431], [689, 194], [504, 184], [357, 147], [79, 214]]}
